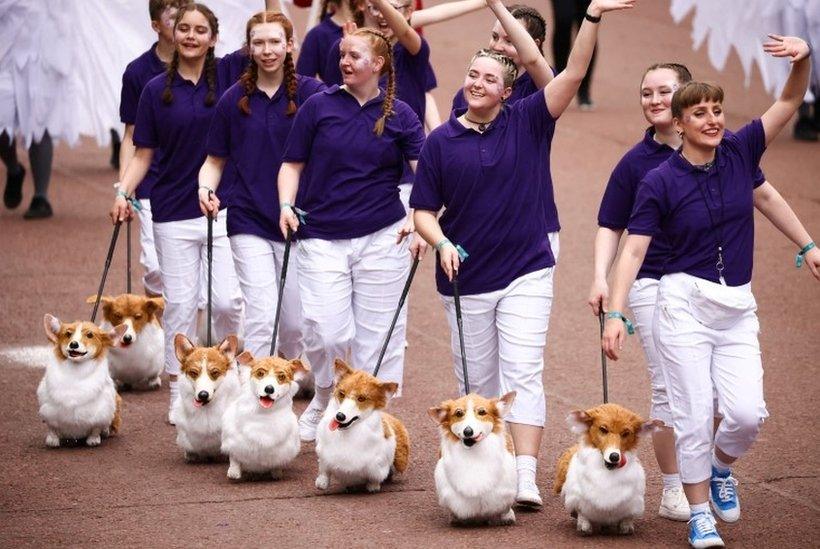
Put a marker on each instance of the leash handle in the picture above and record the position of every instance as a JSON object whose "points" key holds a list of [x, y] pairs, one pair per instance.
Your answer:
{"points": [[460, 325], [282, 278], [210, 246], [402, 299], [128, 257], [603, 355], [111, 246]]}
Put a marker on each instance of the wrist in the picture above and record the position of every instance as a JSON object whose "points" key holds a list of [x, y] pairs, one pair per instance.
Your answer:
{"points": [[207, 188], [285, 205], [594, 11], [441, 243], [122, 194], [620, 316], [798, 260]]}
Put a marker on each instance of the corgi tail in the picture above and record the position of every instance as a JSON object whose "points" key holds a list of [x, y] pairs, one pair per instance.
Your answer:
{"points": [[116, 422], [392, 426], [562, 468]]}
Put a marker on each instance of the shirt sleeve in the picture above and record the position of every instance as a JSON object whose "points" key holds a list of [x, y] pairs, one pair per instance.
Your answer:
{"points": [[648, 209], [619, 198], [759, 178], [145, 126], [431, 82], [750, 142], [300, 138], [412, 138], [219, 134], [307, 63], [129, 97], [537, 115], [427, 189]]}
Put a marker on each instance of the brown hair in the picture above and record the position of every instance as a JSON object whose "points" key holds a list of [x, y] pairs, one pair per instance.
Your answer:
{"points": [[508, 69], [693, 93], [680, 70], [381, 47], [532, 21], [210, 59], [251, 74], [356, 8], [156, 7]]}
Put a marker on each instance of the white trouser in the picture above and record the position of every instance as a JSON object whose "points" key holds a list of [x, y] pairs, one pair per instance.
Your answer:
{"points": [[181, 247], [698, 360], [151, 280], [555, 245], [258, 263], [504, 337], [350, 289], [642, 300]]}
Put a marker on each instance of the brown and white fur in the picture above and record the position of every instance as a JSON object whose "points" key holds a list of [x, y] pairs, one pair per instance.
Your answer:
{"points": [[356, 441], [476, 479], [600, 479], [209, 382], [77, 397], [139, 359], [260, 432]]}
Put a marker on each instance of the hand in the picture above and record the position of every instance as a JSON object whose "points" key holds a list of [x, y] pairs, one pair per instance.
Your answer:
{"points": [[418, 246], [812, 260], [787, 46], [208, 202], [450, 260], [349, 28], [598, 296], [597, 7], [407, 229], [613, 340], [288, 221], [121, 210]]}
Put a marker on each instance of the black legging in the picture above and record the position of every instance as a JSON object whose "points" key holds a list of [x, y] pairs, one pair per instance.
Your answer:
{"points": [[567, 13], [40, 154]]}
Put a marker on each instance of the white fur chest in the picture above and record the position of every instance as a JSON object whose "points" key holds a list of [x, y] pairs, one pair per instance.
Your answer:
{"points": [[360, 453], [141, 361], [199, 429]]}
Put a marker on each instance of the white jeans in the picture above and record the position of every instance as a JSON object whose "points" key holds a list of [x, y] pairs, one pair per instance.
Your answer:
{"points": [[643, 296], [350, 289], [151, 280], [182, 252], [258, 263], [555, 245], [504, 337], [698, 360]]}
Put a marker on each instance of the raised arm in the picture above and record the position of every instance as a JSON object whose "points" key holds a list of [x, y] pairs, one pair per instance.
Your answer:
{"points": [[288, 185], [791, 97], [528, 52], [209, 176], [605, 249], [560, 91], [626, 269], [444, 12], [405, 34]]}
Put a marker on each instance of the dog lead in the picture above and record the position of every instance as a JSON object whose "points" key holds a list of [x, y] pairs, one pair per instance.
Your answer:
{"points": [[402, 298], [282, 277]]}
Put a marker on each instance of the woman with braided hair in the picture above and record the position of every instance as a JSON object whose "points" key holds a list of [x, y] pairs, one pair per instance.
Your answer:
{"points": [[173, 117], [342, 165], [252, 121], [488, 167], [318, 41]]}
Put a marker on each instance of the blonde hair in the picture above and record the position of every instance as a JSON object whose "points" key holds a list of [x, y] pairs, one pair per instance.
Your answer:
{"points": [[508, 69]]}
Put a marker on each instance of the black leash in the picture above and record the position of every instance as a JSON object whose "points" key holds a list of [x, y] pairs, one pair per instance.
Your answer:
{"points": [[457, 300], [128, 257], [111, 247], [603, 355], [210, 274], [402, 299], [282, 278]]}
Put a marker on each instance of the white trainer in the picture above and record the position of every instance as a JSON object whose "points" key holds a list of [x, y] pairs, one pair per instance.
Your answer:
{"points": [[528, 496], [674, 505], [309, 420]]}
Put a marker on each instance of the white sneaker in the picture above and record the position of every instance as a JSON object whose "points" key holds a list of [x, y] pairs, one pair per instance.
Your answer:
{"points": [[309, 420], [674, 505], [528, 496]]}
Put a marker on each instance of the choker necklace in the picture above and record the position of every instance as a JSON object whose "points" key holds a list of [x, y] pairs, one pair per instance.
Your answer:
{"points": [[482, 126]]}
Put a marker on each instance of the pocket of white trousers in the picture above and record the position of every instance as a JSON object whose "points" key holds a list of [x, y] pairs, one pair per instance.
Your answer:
{"points": [[720, 307]]}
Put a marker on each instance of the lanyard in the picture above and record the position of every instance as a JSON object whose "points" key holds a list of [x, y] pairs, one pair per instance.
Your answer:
{"points": [[717, 228]]}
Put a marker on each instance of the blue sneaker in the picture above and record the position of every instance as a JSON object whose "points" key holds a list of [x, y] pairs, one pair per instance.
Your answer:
{"points": [[702, 531], [723, 495]]}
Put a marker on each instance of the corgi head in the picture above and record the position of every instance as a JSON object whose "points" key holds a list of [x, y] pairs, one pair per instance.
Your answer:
{"points": [[272, 379], [135, 311], [471, 418], [80, 341], [358, 394], [205, 368], [612, 429]]}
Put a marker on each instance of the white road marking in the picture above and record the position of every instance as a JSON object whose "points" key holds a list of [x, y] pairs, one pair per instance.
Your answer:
{"points": [[31, 356]]}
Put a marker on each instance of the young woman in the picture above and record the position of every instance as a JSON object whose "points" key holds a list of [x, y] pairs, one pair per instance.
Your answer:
{"points": [[487, 167], [349, 146], [173, 117], [706, 328], [314, 52], [252, 121]]}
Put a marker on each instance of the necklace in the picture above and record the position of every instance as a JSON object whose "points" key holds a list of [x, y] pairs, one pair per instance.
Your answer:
{"points": [[482, 126]]}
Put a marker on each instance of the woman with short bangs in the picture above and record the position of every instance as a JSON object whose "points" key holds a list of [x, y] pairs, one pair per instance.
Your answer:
{"points": [[705, 327]]}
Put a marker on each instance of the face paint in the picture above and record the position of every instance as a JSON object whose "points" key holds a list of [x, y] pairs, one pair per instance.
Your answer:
{"points": [[356, 61], [269, 46]]}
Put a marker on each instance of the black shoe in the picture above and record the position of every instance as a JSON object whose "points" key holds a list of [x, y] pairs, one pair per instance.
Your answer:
{"points": [[804, 130], [13, 194], [38, 209], [115, 150], [584, 102]]}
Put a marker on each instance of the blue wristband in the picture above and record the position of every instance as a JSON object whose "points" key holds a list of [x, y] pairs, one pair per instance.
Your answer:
{"points": [[462, 253], [798, 261], [630, 329]]}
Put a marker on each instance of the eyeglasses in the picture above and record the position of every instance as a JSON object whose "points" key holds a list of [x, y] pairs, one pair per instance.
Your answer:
{"points": [[374, 11]]}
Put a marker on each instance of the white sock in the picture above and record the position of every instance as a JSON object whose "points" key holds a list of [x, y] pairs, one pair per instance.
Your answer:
{"points": [[526, 467], [322, 395], [698, 508], [174, 387], [671, 481], [721, 467]]}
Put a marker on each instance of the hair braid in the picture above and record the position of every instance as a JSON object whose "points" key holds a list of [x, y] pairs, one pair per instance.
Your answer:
{"points": [[292, 84], [248, 81], [533, 21], [387, 106], [167, 94], [210, 77]]}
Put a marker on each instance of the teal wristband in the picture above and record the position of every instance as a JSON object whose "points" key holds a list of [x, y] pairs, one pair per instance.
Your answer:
{"points": [[630, 329], [301, 214], [441, 243], [798, 260], [284, 205], [462, 253], [131, 200]]}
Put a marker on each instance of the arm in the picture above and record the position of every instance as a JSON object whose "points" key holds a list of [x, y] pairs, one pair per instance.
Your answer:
{"points": [[606, 246], [405, 34], [560, 91], [444, 12], [528, 52], [135, 172], [771, 204], [209, 175], [288, 184], [626, 269], [432, 118], [127, 149], [791, 97], [428, 227]]}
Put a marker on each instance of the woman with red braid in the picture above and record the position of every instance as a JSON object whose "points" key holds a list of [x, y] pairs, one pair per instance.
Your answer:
{"points": [[342, 165], [252, 121]]}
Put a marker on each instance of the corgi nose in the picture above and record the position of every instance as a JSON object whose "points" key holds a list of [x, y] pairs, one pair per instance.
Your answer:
{"points": [[73, 345], [269, 389], [202, 396], [127, 338], [614, 457], [340, 417], [468, 432]]}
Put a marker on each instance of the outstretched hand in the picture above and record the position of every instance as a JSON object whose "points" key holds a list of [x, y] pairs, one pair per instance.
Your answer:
{"points": [[598, 7], [349, 28], [796, 49]]}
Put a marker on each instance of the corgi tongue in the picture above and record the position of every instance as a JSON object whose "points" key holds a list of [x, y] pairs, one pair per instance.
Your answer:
{"points": [[197, 404], [265, 402], [622, 462], [334, 424]]}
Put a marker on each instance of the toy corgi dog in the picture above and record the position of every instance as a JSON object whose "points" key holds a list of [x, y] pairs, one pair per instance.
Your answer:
{"points": [[356, 441], [208, 384], [476, 478], [600, 479], [77, 397], [139, 359], [260, 432]]}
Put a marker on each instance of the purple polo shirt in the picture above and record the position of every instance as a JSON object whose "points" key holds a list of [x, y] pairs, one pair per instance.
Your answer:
{"points": [[349, 186], [231, 67], [255, 144], [491, 187], [178, 131], [136, 76], [677, 198], [315, 49]]}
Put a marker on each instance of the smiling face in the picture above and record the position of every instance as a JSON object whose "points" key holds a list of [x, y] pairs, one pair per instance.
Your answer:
{"points": [[193, 35], [79, 341], [471, 418], [357, 395], [404, 7], [269, 44], [358, 62], [272, 379], [657, 89], [484, 84], [204, 368], [702, 124]]}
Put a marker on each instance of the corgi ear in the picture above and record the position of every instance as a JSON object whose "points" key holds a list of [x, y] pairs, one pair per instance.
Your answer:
{"points": [[579, 421], [182, 346], [115, 334], [651, 426], [244, 358], [155, 305], [300, 369], [228, 346], [439, 413], [52, 326], [504, 403], [389, 388], [104, 299], [341, 369]]}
